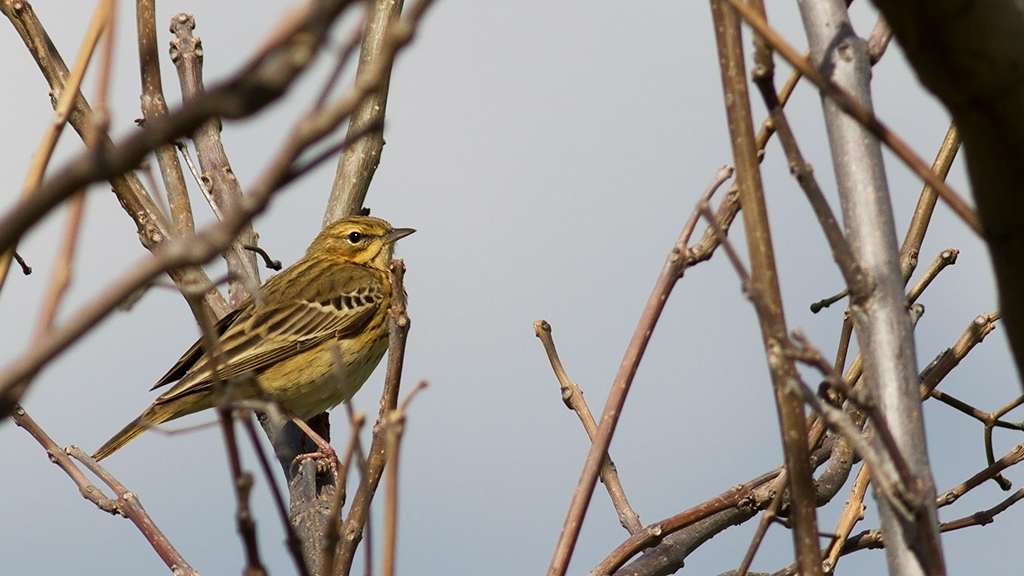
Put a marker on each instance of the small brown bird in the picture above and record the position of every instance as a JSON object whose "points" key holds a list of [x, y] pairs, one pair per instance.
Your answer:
{"points": [[339, 292]]}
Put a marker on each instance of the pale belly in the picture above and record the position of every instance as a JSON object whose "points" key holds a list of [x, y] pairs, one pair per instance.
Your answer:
{"points": [[309, 384]]}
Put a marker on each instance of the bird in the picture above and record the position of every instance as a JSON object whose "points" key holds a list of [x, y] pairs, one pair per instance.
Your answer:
{"points": [[337, 293]]}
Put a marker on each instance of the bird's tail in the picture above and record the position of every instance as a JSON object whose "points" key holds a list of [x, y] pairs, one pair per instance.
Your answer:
{"points": [[148, 419]]}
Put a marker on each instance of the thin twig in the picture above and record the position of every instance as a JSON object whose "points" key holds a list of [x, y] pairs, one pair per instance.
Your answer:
{"points": [[770, 515], [125, 504], [945, 258], [394, 427], [764, 290], [61, 278], [1014, 456], [154, 105], [25, 268], [856, 282], [675, 265], [358, 515], [926, 204], [348, 49], [267, 260], [292, 539], [723, 174], [41, 157], [218, 177], [358, 163], [572, 396], [853, 512], [353, 449], [655, 533], [204, 185]]}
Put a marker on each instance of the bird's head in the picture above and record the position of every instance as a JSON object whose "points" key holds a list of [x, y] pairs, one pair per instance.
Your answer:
{"points": [[360, 239]]}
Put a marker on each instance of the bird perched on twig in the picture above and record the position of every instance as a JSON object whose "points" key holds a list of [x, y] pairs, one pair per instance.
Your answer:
{"points": [[339, 292]]}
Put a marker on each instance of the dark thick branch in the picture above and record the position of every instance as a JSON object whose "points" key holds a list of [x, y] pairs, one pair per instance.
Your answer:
{"points": [[971, 55]]}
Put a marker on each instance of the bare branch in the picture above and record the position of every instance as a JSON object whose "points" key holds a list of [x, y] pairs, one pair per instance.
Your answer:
{"points": [[572, 395], [358, 163], [861, 114], [218, 178]]}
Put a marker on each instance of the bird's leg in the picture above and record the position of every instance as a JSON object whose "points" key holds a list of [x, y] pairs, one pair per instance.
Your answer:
{"points": [[324, 449]]}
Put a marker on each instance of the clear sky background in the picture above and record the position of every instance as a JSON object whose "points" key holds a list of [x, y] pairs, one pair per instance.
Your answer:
{"points": [[548, 154]]}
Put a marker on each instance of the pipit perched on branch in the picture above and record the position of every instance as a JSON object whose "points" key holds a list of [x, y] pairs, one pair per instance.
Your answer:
{"points": [[339, 292]]}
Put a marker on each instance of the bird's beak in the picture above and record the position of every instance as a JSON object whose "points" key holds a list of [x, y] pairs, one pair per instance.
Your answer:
{"points": [[397, 234]]}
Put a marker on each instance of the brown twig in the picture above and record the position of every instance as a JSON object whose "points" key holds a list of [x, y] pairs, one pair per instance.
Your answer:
{"points": [[926, 204], [948, 359], [347, 50], [41, 157], [770, 515], [945, 258], [354, 449], [25, 268], [678, 260], [572, 396], [721, 175], [990, 420], [203, 183], [125, 504], [985, 516], [292, 538], [61, 278], [1015, 456], [736, 496], [394, 426], [856, 282], [853, 512], [764, 288], [267, 260]]}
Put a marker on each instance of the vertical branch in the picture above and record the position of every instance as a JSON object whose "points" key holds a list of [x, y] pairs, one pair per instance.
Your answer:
{"points": [[359, 161], [765, 288], [883, 327], [358, 514], [394, 427], [155, 106], [218, 178]]}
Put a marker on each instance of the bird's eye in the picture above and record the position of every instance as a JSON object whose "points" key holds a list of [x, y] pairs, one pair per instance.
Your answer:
{"points": [[354, 237]]}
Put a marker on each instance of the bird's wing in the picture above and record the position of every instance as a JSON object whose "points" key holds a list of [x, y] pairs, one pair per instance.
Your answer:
{"points": [[193, 354], [319, 311]]}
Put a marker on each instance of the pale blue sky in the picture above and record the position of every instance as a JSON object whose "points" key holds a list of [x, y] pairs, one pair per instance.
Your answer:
{"points": [[548, 153]]}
